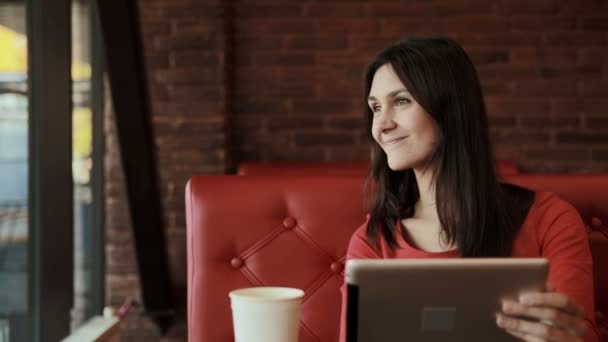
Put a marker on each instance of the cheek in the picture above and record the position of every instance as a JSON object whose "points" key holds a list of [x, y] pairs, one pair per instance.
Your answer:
{"points": [[375, 131]]}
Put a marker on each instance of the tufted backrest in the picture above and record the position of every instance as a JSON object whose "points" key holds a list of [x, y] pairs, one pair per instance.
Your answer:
{"points": [[589, 194], [293, 231], [338, 168], [255, 230], [297, 168]]}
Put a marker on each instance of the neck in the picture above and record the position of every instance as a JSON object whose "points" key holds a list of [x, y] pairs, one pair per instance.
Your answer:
{"points": [[426, 207]]}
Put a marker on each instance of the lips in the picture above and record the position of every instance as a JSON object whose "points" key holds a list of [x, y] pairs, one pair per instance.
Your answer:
{"points": [[393, 141]]}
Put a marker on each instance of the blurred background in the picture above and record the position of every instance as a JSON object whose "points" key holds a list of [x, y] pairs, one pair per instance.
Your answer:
{"points": [[278, 80]]}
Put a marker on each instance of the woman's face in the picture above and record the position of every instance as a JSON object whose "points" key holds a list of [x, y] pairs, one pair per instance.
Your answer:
{"points": [[404, 130]]}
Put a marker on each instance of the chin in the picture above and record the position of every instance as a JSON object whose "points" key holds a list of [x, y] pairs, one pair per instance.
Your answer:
{"points": [[398, 165]]}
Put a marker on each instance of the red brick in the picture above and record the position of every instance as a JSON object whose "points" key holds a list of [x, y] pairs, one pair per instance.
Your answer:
{"points": [[260, 106], [578, 154], [268, 11], [516, 105], [155, 61], [541, 87], [592, 87], [430, 8], [275, 90], [592, 56], [187, 41], [314, 139], [550, 121], [346, 124], [599, 154], [274, 26], [176, 10], [506, 72], [187, 128], [193, 108], [251, 40], [582, 138], [358, 25], [502, 121], [257, 74], [596, 122], [583, 7], [543, 56], [334, 10], [316, 42], [493, 39], [407, 25], [468, 23], [573, 74], [197, 25], [536, 22], [196, 93], [157, 27], [480, 57], [303, 107], [283, 59], [496, 87], [526, 6], [185, 59], [159, 95], [599, 23], [569, 39], [520, 136], [579, 105], [284, 122], [189, 76], [342, 58], [352, 153]]}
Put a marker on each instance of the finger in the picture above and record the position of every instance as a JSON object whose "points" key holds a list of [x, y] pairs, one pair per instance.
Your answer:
{"points": [[553, 300], [561, 319], [535, 329], [523, 336]]}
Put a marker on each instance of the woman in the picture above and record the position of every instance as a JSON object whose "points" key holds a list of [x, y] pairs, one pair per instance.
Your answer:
{"points": [[436, 194]]}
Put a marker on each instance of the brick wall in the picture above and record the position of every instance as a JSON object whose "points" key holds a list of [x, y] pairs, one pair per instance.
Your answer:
{"points": [[281, 80]]}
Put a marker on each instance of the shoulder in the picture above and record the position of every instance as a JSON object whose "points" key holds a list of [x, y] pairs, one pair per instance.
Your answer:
{"points": [[549, 207], [359, 246], [555, 219]]}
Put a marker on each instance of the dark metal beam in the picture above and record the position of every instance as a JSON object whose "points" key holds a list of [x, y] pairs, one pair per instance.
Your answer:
{"points": [[98, 261], [51, 203], [123, 47]]}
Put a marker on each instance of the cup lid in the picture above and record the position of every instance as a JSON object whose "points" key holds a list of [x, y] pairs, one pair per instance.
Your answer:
{"points": [[264, 293]]}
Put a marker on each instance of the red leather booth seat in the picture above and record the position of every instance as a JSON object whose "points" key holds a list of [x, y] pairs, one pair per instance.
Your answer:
{"points": [[287, 168], [293, 231]]}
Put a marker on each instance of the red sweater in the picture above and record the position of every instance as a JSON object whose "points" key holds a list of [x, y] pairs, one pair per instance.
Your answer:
{"points": [[553, 229]]}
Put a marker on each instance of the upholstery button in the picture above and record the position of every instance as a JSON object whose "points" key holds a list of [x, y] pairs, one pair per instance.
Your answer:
{"points": [[596, 222], [237, 262], [289, 222], [337, 267]]}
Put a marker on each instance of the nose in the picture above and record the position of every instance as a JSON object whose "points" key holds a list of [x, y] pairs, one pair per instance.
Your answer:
{"points": [[386, 120]]}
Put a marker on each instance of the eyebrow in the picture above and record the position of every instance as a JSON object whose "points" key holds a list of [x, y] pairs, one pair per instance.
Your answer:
{"points": [[391, 94]]}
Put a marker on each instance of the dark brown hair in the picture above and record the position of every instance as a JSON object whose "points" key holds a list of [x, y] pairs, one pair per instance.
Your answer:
{"points": [[477, 214]]}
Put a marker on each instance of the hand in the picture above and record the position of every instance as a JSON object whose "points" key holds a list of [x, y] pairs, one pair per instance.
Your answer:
{"points": [[545, 316]]}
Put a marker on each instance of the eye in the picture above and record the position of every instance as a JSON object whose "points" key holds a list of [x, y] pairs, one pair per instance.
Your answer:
{"points": [[401, 101], [375, 108]]}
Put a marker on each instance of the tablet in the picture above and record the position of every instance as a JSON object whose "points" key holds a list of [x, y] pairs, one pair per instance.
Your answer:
{"points": [[435, 299]]}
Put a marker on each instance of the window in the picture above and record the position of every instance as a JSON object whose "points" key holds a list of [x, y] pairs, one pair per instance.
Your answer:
{"points": [[13, 173], [37, 265]]}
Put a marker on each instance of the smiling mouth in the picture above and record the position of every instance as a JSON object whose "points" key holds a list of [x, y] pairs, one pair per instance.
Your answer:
{"points": [[394, 141]]}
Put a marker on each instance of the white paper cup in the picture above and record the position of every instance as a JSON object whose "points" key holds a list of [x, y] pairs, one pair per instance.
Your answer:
{"points": [[266, 314]]}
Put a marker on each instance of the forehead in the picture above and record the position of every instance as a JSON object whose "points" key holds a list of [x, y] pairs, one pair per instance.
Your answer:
{"points": [[385, 81]]}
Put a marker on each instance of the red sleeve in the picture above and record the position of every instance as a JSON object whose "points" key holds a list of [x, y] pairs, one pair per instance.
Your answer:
{"points": [[564, 242], [358, 248]]}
